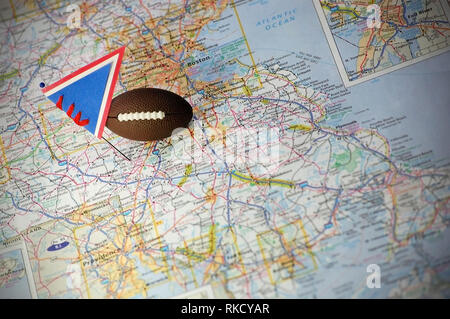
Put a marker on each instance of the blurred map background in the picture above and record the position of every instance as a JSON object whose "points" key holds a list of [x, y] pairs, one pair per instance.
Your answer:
{"points": [[362, 175]]}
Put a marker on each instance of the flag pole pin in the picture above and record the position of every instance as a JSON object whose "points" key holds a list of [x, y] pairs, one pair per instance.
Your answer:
{"points": [[116, 149]]}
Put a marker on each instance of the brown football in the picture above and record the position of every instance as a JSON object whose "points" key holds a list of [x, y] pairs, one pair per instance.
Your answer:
{"points": [[148, 114]]}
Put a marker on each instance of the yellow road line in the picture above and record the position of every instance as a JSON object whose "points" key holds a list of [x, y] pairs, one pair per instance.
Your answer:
{"points": [[262, 181], [49, 52], [9, 75], [190, 265], [187, 172], [308, 248], [46, 132], [245, 39], [81, 262], [159, 238], [6, 161], [266, 263], [244, 272], [13, 9]]}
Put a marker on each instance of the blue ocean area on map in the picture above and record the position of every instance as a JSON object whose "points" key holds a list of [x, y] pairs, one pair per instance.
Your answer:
{"points": [[410, 34], [413, 6], [379, 95], [394, 59]]}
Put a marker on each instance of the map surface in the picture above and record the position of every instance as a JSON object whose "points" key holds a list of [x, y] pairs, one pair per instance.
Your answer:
{"points": [[407, 32], [14, 274], [359, 176]]}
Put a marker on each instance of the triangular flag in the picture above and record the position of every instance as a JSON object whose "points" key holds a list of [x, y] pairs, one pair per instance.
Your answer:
{"points": [[85, 95]]}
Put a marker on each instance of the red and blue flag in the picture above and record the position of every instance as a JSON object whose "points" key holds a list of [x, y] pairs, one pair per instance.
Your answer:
{"points": [[85, 95]]}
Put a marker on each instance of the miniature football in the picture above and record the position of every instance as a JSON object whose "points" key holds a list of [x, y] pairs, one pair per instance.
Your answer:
{"points": [[148, 114]]}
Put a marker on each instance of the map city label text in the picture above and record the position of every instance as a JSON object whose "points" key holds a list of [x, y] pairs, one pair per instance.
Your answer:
{"points": [[277, 20]]}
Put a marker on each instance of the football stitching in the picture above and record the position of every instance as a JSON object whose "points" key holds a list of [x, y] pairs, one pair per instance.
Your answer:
{"points": [[137, 116]]}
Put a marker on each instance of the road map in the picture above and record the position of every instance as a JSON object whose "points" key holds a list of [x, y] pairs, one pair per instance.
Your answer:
{"points": [[351, 202], [15, 273], [407, 32]]}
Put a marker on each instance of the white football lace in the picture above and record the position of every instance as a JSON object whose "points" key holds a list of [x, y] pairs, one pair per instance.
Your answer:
{"points": [[141, 116]]}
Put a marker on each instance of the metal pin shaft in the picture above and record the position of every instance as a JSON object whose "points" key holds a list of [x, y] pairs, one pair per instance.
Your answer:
{"points": [[116, 149]]}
